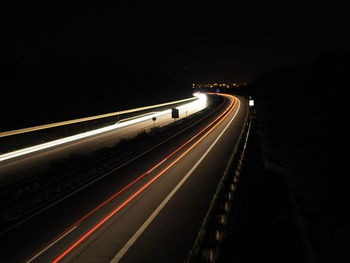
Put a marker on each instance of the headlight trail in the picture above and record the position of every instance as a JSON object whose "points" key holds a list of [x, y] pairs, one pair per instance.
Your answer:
{"points": [[189, 106], [62, 123]]}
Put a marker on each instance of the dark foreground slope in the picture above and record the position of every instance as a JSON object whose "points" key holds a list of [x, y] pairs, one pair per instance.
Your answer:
{"points": [[302, 119], [61, 88]]}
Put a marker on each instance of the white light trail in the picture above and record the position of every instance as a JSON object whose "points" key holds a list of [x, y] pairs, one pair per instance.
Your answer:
{"points": [[190, 107], [62, 123]]}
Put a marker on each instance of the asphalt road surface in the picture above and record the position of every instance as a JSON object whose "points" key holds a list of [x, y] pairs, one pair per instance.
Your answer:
{"points": [[147, 211]]}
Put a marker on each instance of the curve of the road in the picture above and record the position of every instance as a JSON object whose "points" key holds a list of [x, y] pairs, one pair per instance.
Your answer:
{"points": [[148, 211]]}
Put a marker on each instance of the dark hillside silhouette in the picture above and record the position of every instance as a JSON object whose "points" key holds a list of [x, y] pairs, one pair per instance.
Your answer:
{"points": [[302, 114]]}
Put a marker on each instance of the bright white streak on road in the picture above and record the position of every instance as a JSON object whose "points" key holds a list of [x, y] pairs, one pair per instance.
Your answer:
{"points": [[189, 107]]}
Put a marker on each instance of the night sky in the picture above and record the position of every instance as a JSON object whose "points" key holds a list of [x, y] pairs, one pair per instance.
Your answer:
{"points": [[206, 42]]}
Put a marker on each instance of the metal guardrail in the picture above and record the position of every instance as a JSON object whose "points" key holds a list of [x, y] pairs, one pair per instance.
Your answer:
{"points": [[207, 244]]}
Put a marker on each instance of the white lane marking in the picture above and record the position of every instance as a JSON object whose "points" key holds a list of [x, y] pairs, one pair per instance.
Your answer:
{"points": [[132, 240], [53, 243]]}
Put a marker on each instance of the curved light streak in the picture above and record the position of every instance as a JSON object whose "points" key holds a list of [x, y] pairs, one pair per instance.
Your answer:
{"points": [[62, 123], [192, 106]]}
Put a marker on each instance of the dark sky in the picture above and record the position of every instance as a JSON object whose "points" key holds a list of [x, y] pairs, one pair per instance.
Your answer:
{"points": [[208, 42]]}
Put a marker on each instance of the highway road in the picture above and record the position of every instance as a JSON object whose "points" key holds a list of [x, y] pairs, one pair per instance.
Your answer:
{"points": [[16, 165], [149, 210]]}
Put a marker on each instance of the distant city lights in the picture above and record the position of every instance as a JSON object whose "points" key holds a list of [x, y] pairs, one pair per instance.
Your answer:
{"points": [[219, 85]]}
